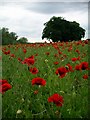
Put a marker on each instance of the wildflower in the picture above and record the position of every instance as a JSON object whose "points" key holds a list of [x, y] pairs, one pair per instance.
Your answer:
{"points": [[24, 50], [84, 65], [74, 59], [7, 52], [56, 99], [69, 68], [38, 81], [19, 111], [85, 76], [78, 58], [59, 52], [29, 61], [46, 60], [32, 57], [61, 71], [77, 51], [86, 41], [36, 54], [3, 81], [33, 70], [19, 59], [56, 63], [69, 49], [12, 55], [78, 67], [4, 86], [47, 53]]}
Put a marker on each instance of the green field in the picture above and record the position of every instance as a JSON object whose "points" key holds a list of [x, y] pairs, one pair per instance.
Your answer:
{"points": [[25, 100]]}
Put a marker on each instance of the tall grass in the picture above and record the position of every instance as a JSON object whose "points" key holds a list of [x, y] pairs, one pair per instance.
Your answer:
{"points": [[22, 102]]}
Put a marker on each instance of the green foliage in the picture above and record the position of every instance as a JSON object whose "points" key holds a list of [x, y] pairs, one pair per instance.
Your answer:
{"points": [[22, 40], [8, 37], [21, 102], [59, 29]]}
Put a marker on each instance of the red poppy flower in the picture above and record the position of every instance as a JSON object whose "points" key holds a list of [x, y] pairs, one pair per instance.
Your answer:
{"points": [[3, 81], [86, 41], [32, 56], [7, 52], [69, 49], [69, 68], [78, 67], [4, 86], [24, 50], [47, 53], [36, 54], [56, 63], [78, 58], [78, 43], [59, 52], [77, 51], [84, 65], [4, 48], [29, 61], [19, 59], [74, 59], [33, 70], [12, 55], [61, 71], [56, 99], [85, 76], [38, 81], [62, 44], [83, 44]]}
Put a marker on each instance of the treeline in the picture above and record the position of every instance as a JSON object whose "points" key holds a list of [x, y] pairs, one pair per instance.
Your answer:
{"points": [[10, 37], [56, 29]]}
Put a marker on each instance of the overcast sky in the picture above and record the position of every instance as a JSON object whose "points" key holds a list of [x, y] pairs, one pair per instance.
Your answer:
{"points": [[26, 18]]}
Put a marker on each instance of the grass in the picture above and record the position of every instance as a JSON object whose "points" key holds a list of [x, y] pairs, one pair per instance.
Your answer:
{"points": [[72, 87]]}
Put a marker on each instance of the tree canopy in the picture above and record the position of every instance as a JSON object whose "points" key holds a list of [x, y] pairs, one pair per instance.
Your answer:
{"points": [[8, 37], [22, 40], [59, 29], [11, 37]]}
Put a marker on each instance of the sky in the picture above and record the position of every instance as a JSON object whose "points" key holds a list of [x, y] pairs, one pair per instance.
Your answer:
{"points": [[27, 18]]}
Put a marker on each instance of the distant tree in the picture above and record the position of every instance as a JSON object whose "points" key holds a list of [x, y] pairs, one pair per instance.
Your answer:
{"points": [[22, 40], [8, 37], [59, 29]]}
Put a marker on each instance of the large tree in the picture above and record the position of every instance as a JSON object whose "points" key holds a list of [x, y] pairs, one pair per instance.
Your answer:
{"points": [[8, 37], [59, 29]]}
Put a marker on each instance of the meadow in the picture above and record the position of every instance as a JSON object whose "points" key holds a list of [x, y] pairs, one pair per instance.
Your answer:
{"points": [[46, 80]]}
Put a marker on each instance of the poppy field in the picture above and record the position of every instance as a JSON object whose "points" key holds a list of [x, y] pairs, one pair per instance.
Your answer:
{"points": [[46, 80]]}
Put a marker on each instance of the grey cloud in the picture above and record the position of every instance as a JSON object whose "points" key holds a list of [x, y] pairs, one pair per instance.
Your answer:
{"points": [[56, 7], [49, 7], [19, 1]]}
